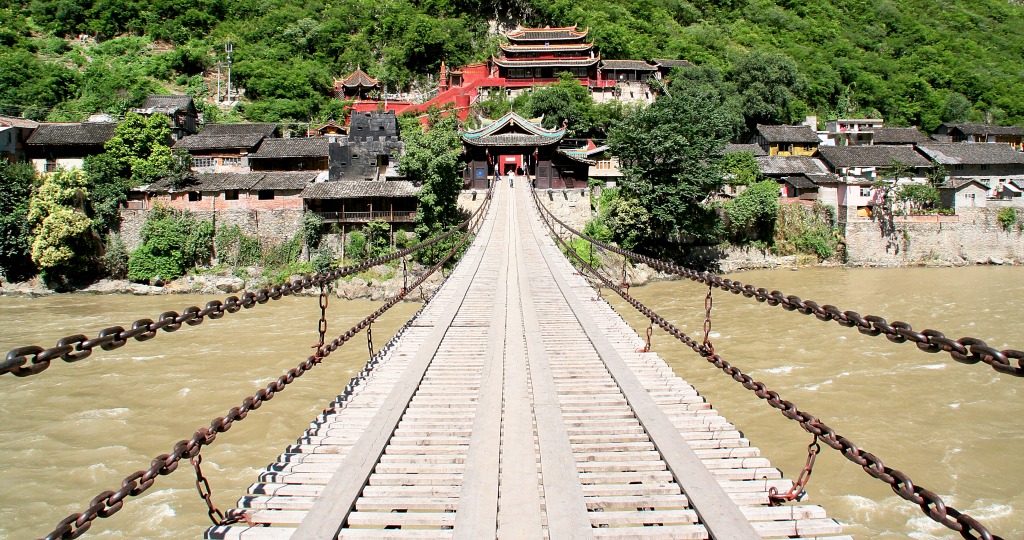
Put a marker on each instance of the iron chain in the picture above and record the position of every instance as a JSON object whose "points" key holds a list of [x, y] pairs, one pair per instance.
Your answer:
{"points": [[108, 503], [967, 350], [901, 484]]}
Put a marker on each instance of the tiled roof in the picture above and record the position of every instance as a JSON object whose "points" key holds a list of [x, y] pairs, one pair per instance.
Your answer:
{"points": [[898, 135], [972, 153], [546, 47], [227, 136], [636, 65], [546, 62], [786, 165], [166, 104], [242, 181], [957, 182], [986, 129], [546, 34], [529, 133], [871, 156], [291, 148], [354, 189], [86, 133], [286, 180], [12, 121], [787, 134], [669, 63], [800, 181], [359, 78], [513, 139], [577, 156], [755, 149]]}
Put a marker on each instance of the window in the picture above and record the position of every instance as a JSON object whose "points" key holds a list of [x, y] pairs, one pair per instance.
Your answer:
{"points": [[958, 167], [266, 194], [865, 191], [202, 162], [51, 166], [231, 161], [231, 195], [986, 167], [785, 147], [195, 196], [969, 196], [604, 165]]}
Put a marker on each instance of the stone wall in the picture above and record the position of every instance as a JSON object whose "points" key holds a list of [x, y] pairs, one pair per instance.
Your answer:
{"points": [[269, 225], [570, 205], [974, 236]]}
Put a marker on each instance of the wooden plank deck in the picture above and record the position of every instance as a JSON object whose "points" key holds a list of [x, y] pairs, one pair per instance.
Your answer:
{"points": [[515, 406]]}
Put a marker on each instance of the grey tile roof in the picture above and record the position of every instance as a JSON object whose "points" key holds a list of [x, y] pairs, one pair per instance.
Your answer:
{"points": [[227, 136], [290, 148], [286, 180], [787, 134], [167, 104], [669, 63], [86, 133], [972, 153], [636, 65], [18, 122], [732, 148], [354, 189], [786, 165], [512, 139], [800, 181], [985, 129], [898, 135], [871, 156], [957, 182], [544, 34]]}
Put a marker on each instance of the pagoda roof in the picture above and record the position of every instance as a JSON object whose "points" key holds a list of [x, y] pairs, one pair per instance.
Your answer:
{"points": [[546, 47], [546, 62], [513, 130], [634, 65], [359, 78], [546, 34]]}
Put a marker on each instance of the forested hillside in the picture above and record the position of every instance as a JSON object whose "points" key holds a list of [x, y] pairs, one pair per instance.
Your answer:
{"points": [[909, 61]]}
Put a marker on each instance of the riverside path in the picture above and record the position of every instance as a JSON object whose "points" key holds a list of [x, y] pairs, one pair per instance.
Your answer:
{"points": [[515, 405]]}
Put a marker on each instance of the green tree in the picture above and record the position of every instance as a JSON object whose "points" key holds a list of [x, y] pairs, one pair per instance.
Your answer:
{"points": [[671, 152], [16, 182], [64, 246], [753, 213], [741, 168], [769, 87], [172, 243], [565, 101], [140, 148]]}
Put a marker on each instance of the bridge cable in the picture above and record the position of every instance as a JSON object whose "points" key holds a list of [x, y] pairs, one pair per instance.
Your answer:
{"points": [[110, 502], [33, 359], [966, 350], [930, 503]]}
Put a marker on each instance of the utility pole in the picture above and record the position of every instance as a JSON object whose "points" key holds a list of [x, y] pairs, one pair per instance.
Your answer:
{"points": [[228, 48], [218, 80]]}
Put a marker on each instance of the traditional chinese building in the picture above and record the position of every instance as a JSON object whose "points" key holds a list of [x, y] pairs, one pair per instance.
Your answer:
{"points": [[513, 143], [358, 86], [535, 54]]}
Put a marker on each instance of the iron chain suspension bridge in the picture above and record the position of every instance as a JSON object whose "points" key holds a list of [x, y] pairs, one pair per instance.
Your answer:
{"points": [[516, 404]]}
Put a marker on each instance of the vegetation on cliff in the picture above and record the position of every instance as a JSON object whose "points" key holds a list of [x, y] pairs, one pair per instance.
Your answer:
{"points": [[909, 61]]}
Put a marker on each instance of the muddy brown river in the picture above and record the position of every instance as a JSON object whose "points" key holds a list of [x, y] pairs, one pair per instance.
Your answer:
{"points": [[78, 429]]}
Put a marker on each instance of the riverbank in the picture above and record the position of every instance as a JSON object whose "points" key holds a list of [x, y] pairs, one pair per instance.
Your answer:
{"points": [[378, 283]]}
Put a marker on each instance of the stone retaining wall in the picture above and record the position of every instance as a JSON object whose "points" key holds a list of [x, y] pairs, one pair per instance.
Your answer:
{"points": [[975, 237], [270, 225]]}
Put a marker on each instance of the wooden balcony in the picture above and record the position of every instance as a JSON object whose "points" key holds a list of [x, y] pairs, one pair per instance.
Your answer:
{"points": [[366, 217]]}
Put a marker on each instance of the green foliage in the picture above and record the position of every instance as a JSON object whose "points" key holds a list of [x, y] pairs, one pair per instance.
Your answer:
{"points": [[355, 249], [740, 168], [916, 198], [404, 239], [566, 101], [64, 245], [141, 148], [324, 260], [236, 248], [670, 153], [752, 215], [807, 230], [1007, 217], [283, 254], [16, 182], [768, 84], [378, 238], [597, 229], [114, 261], [312, 229], [583, 250], [173, 242]]}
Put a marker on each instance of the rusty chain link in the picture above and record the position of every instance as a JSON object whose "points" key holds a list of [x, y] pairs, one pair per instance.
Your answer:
{"points": [[799, 488], [108, 503], [930, 503], [966, 350], [33, 359], [203, 487]]}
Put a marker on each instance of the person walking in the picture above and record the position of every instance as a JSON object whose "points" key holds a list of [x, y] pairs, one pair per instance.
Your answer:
{"points": [[511, 177]]}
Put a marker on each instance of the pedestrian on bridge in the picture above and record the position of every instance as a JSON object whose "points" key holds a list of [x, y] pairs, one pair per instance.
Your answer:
{"points": [[511, 177]]}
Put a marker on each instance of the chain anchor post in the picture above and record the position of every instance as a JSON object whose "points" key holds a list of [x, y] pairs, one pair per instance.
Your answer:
{"points": [[798, 491]]}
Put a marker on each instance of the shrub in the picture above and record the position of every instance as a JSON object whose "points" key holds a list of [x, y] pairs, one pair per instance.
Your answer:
{"points": [[598, 230], [312, 227], [356, 247], [172, 242], [115, 258], [752, 214], [404, 239], [378, 238], [1007, 217], [324, 260]]}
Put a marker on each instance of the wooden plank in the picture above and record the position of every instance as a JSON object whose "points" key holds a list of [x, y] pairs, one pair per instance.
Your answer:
{"points": [[563, 494], [723, 519], [327, 516]]}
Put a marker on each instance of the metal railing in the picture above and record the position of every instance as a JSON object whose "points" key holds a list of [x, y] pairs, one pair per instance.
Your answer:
{"points": [[365, 217]]}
